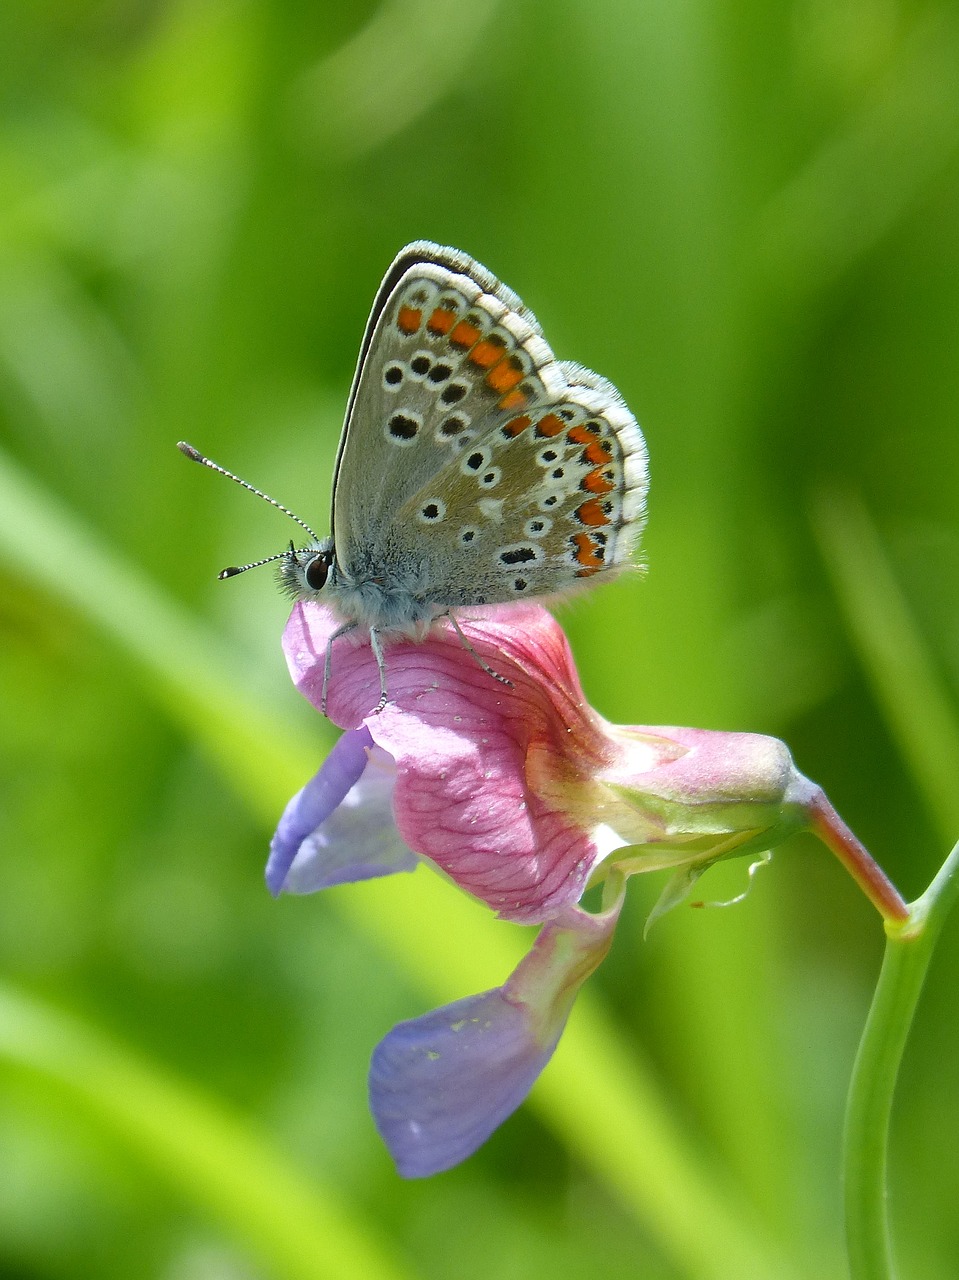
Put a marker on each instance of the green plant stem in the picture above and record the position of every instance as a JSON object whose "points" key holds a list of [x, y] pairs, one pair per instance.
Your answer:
{"points": [[908, 951]]}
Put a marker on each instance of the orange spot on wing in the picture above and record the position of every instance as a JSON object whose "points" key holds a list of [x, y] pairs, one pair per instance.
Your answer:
{"points": [[591, 512], [587, 554], [505, 375], [549, 425], [516, 425], [597, 453], [464, 335], [597, 481], [579, 435], [409, 319], [441, 321], [487, 352], [514, 400]]}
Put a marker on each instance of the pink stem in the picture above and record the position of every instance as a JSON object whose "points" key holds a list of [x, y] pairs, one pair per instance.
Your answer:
{"points": [[855, 857]]}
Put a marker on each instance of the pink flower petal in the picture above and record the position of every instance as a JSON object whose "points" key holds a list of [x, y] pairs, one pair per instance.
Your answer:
{"points": [[461, 741]]}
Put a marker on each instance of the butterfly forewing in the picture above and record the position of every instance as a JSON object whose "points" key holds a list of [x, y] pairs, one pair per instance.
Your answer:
{"points": [[437, 349]]}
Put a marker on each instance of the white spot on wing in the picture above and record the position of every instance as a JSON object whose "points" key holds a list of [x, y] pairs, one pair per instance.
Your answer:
{"points": [[492, 509]]}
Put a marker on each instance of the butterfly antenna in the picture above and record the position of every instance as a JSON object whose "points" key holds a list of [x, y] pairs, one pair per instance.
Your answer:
{"points": [[234, 569], [196, 456]]}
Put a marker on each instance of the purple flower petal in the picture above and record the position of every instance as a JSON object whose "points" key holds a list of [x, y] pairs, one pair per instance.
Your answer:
{"points": [[440, 1084], [339, 827], [359, 840]]}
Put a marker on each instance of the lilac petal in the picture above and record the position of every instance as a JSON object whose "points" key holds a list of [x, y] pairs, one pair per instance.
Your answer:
{"points": [[318, 844], [359, 840], [440, 1084]]}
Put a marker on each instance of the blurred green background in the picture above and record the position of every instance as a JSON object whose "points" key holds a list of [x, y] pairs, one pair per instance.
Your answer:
{"points": [[745, 215]]}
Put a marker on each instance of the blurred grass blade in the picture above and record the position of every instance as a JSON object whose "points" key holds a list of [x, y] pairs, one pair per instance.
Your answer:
{"points": [[408, 56], [914, 698], [863, 179], [598, 1096], [296, 1228]]}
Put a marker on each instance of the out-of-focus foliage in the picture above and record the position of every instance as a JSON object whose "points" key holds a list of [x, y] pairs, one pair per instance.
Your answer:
{"points": [[746, 216]]}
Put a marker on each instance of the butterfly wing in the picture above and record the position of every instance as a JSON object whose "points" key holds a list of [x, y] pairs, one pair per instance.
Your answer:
{"points": [[472, 462], [542, 501], [404, 387]]}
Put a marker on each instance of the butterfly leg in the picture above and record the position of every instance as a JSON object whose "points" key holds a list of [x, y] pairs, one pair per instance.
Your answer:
{"points": [[328, 660], [473, 654], [381, 667]]}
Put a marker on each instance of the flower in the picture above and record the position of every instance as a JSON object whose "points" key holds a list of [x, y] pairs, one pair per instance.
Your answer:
{"points": [[524, 796]]}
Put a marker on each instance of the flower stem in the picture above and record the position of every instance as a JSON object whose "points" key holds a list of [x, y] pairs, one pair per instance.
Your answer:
{"points": [[908, 952], [856, 858]]}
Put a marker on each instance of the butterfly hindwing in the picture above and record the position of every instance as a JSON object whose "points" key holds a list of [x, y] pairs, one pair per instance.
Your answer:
{"points": [[542, 501]]}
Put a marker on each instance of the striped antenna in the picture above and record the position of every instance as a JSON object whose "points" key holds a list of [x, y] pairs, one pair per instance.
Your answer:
{"points": [[234, 569], [196, 456]]}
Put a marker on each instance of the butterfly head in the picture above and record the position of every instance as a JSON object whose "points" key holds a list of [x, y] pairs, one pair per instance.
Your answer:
{"points": [[304, 572]]}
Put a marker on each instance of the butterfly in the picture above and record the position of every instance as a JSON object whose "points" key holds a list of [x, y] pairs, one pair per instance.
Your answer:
{"points": [[473, 467]]}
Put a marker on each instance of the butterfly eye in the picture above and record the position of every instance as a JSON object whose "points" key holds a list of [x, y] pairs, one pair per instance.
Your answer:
{"points": [[315, 572]]}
